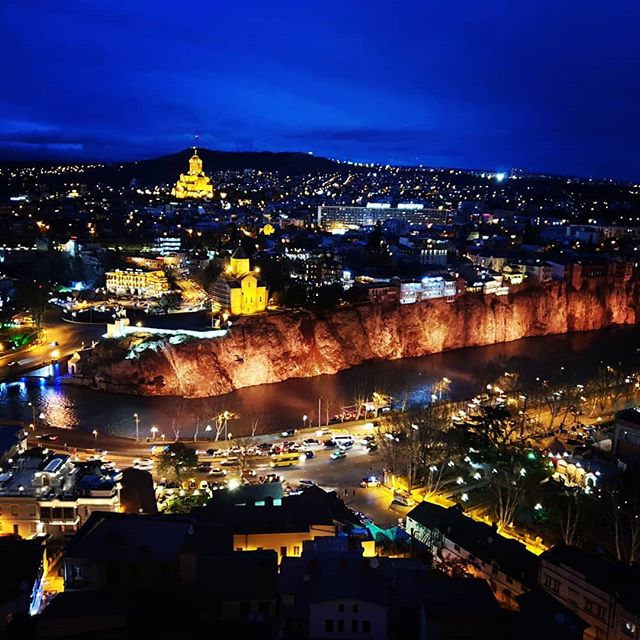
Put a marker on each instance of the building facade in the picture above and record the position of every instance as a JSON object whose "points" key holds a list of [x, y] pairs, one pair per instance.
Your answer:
{"points": [[136, 282], [342, 218], [238, 290], [48, 493]]}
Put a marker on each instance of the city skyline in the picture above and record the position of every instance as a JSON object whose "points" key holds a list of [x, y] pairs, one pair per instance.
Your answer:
{"points": [[467, 87]]}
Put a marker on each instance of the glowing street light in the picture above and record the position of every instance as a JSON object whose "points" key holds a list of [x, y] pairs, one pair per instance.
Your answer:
{"points": [[137, 419], [154, 431], [95, 439]]}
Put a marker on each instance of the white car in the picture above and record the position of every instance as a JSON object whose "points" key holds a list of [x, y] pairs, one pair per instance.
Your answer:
{"points": [[146, 464]]}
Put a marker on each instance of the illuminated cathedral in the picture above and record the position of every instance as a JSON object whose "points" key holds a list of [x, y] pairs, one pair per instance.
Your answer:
{"points": [[193, 184]]}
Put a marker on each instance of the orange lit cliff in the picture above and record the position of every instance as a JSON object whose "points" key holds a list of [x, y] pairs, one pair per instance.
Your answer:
{"points": [[272, 348]]}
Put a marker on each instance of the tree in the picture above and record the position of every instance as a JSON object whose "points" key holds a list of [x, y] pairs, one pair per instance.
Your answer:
{"points": [[417, 444], [508, 491], [177, 459], [169, 301], [246, 457], [568, 515], [622, 500]]}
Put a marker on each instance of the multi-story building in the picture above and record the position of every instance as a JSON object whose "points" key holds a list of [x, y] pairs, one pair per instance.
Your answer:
{"points": [[42, 492], [282, 525], [137, 282], [167, 245], [626, 438], [428, 288], [604, 594], [341, 217], [477, 548], [314, 267]]}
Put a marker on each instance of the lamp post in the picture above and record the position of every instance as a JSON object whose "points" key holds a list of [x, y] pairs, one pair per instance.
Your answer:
{"points": [[208, 429], [95, 439], [137, 419], [304, 420], [33, 416], [154, 431], [319, 412]]}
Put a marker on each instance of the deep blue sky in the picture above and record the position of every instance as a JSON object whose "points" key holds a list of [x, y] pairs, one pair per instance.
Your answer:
{"points": [[543, 84]]}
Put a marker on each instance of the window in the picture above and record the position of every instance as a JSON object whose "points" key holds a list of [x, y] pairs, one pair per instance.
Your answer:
{"points": [[16, 530], [341, 608], [366, 626], [551, 583], [328, 625], [296, 550], [456, 547], [77, 572], [264, 608], [594, 608], [14, 510], [356, 608], [283, 551], [340, 626], [509, 580], [354, 626], [245, 608]]}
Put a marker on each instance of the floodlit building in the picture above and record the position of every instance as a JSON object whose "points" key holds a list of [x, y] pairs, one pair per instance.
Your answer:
{"points": [[238, 289], [137, 282], [42, 492], [456, 540], [194, 183], [342, 218]]}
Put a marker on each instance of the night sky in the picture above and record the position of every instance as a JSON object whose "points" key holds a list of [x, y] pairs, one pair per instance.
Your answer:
{"points": [[544, 85]]}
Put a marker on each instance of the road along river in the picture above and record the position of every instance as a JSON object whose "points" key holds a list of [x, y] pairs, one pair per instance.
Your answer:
{"points": [[284, 405]]}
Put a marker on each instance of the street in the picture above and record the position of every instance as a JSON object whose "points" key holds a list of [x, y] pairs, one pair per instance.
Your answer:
{"points": [[68, 336]]}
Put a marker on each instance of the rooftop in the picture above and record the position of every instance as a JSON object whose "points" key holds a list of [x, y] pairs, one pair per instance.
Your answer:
{"points": [[130, 537], [45, 475]]}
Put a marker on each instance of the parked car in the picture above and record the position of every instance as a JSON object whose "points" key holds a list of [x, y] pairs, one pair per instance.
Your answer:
{"points": [[339, 455], [288, 433], [216, 472], [308, 454], [311, 442], [203, 467], [329, 443], [231, 461], [146, 464], [404, 498], [370, 481]]}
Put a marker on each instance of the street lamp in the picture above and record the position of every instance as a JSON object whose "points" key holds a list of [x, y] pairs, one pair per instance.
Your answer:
{"points": [[305, 417], [33, 414], [208, 429], [154, 430], [95, 439], [137, 419]]}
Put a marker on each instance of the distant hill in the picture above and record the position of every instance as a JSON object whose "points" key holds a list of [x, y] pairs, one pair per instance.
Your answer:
{"points": [[167, 168]]}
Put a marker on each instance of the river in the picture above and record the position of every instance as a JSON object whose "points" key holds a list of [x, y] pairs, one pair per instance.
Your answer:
{"points": [[283, 405]]}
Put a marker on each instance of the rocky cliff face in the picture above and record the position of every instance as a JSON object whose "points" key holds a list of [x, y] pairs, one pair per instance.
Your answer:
{"points": [[272, 348]]}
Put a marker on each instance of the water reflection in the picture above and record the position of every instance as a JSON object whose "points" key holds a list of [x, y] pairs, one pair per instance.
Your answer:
{"points": [[281, 405]]}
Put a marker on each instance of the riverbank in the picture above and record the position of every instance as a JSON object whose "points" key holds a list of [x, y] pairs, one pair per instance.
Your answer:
{"points": [[272, 348]]}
